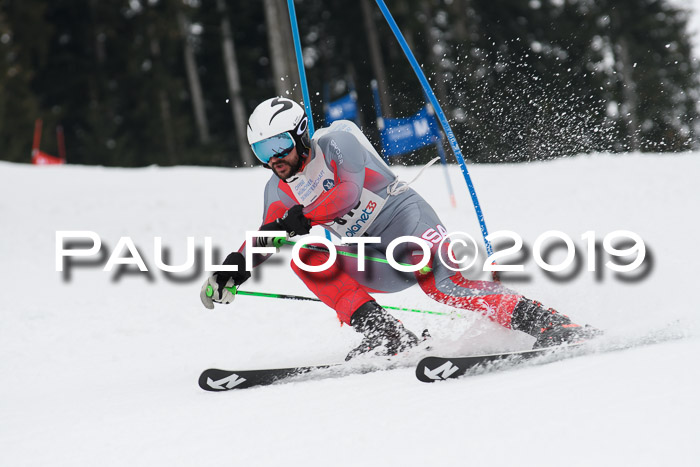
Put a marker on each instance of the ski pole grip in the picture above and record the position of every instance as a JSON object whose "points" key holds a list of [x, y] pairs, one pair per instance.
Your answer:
{"points": [[278, 242], [210, 290]]}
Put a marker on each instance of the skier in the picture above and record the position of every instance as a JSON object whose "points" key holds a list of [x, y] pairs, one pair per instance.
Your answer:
{"points": [[337, 180]]}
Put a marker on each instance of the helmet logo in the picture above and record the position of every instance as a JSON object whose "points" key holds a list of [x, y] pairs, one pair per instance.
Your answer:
{"points": [[301, 128], [284, 103]]}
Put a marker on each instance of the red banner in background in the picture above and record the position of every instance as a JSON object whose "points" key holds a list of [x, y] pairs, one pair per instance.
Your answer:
{"points": [[41, 158]]}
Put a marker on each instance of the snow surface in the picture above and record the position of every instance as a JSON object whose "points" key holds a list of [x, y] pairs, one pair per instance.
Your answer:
{"points": [[97, 371]]}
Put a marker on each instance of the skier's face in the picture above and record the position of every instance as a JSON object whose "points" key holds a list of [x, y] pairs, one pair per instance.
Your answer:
{"points": [[286, 166]]}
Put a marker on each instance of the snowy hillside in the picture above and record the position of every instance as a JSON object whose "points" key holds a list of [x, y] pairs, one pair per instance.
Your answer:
{"points": [[98, 370]]}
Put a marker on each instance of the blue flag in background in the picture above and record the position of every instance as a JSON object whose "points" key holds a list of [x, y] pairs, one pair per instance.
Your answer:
{"points": [[402, 135], [344, 108]]}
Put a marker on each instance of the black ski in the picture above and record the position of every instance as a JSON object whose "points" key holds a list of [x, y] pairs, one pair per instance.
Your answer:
{"points": [[225, 380], [431, 369]]}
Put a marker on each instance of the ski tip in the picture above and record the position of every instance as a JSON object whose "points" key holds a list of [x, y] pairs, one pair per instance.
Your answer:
{"points": [[215, 380], [431, 369]]}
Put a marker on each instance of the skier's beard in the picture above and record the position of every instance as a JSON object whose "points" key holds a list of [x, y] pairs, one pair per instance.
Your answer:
{"points": [[294, 169]]}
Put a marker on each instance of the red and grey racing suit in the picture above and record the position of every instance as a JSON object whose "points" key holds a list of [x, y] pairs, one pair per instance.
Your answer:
{"points": [[346, 187]]}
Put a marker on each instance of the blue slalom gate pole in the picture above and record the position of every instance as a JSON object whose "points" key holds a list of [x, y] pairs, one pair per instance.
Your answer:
{"points": [[302, 74], [441, 117], [300, 65]]}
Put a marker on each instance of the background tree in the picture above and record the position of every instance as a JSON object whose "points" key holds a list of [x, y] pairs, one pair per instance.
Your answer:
{"points": [[24, 37], [519, 80]]}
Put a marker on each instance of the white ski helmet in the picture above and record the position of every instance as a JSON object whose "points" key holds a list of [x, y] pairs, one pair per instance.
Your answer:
{"points": [[271, 125]]}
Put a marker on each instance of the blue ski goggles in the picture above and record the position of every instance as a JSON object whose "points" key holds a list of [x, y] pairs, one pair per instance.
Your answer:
{"points": [[274, 146]]}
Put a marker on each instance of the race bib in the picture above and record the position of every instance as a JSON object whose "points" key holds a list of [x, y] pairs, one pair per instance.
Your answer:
{"points": [[359, 218], [310, 184]]}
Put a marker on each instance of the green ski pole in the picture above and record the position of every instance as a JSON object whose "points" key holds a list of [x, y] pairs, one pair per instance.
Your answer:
{"points": [[235, 291]]}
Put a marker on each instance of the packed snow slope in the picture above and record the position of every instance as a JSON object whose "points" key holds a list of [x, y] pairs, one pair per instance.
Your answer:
{"points": [[102, 369]]}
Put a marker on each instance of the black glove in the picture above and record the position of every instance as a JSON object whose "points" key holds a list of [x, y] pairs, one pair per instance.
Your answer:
{"points": [[265, 241], [294, 221], [239, 276]]}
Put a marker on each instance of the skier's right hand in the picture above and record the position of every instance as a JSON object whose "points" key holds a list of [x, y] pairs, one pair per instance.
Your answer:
{"points": [[215, 290], [216, 287]]}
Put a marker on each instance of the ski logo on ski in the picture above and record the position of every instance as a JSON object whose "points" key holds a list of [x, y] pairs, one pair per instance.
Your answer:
{"points": [[431, 369], [229, 382], [447, 369], [216, 380]]}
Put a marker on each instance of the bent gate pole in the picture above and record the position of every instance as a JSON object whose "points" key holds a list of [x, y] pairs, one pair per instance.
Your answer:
{"points": [[442, 118]]}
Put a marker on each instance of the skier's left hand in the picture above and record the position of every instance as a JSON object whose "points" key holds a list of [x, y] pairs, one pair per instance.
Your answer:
{"points": [[294, 221], [267, 241], [221, 281]]}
